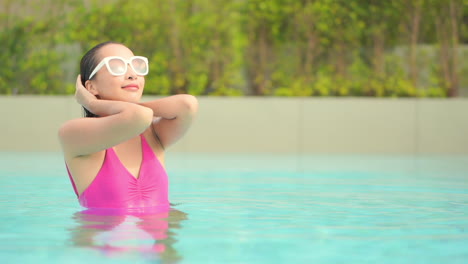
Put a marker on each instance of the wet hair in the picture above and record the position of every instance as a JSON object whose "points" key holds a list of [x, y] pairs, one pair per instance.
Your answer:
{"points": [[87, 65]]}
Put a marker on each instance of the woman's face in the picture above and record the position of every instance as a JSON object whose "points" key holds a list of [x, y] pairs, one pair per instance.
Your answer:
{"points": [[127, 87]]}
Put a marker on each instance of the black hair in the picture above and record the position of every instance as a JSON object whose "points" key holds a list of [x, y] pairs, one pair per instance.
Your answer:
{"points": [[87, 65]]}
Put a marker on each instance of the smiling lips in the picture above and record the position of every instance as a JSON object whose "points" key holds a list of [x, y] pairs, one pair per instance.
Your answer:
{"points": [[132, 87]]}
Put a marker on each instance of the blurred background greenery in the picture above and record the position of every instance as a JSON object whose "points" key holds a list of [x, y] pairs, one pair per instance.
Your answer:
{"points": [[380, 48]]}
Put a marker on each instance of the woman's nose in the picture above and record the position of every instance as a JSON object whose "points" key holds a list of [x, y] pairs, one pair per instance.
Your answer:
{"points": [[131, 74]]}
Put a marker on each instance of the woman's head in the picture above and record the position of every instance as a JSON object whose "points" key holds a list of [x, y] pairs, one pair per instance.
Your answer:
{"points": [[110, 71]]}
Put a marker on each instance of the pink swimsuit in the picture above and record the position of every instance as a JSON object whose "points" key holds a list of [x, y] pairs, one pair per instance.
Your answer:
{"points": [[115, 187]]}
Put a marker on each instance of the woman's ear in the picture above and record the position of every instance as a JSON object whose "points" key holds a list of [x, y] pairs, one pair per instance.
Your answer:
{"points": [[91, 88]]}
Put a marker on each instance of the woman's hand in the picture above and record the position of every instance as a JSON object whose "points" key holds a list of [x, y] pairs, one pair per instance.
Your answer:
{"points": [[83, 96]]}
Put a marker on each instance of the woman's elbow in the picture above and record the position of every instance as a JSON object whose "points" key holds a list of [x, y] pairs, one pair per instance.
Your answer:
{"points": [[190, 104]]}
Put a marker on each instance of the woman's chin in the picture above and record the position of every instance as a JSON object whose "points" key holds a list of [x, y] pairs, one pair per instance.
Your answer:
{"points": [[134, 100]]}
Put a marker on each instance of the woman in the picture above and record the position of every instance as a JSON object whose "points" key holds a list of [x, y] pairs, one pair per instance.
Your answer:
{"points": [[115, 155]]}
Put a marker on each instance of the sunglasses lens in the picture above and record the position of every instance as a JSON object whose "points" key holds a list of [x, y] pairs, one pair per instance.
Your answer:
{"points": [[140, 66], [117, 66]]}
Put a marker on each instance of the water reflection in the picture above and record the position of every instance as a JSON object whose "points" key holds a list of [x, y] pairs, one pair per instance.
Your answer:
{"points": [[148, 233]]}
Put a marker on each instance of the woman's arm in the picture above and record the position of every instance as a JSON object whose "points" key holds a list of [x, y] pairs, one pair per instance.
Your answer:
{"points": [[177, 113], [118, 122]]}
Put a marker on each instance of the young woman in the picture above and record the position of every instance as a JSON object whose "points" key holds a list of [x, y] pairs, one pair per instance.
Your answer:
{"points": [[115, 155]]}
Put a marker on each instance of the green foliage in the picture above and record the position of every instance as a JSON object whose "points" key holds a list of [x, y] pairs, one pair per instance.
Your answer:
{"points": [[29, 65], [234, 48]]}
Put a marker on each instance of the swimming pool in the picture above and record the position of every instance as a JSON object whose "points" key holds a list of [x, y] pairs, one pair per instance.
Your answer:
{"points": [[249, 208]]}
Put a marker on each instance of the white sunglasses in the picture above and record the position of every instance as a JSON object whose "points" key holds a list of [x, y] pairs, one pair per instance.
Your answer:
{"points": [[118, 66]]}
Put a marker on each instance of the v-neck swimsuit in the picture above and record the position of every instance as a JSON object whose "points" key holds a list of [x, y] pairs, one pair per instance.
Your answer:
{"points": [[115, 187]]}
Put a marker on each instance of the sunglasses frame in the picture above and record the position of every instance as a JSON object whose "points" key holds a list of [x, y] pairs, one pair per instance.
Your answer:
{"points": [[106, 60]]}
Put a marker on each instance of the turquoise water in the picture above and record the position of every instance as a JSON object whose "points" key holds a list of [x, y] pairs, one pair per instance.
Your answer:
{"points": [[247, 209]]}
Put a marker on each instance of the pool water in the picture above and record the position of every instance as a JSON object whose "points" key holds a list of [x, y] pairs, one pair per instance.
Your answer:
{"points": [[251, 208]]}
